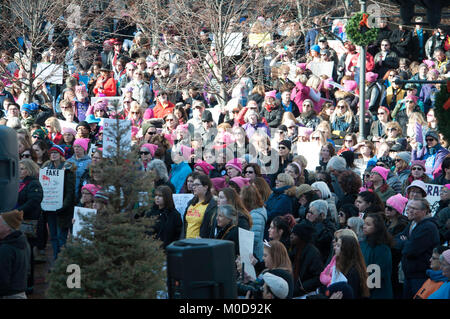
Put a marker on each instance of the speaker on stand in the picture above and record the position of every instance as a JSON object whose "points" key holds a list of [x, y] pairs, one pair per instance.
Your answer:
{"points": [[9, 169]]}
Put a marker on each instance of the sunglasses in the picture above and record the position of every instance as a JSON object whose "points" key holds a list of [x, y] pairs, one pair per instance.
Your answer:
{"points": [[381, 113], [249, 172], [169, 120], [144, 153], [235, 112], [315, 138], [282, 147], [25, 156], [350, 141], [391, 129], [417, 169], [35, 136], [398, 160], [429, 139], [151, 133], [409, 101]]}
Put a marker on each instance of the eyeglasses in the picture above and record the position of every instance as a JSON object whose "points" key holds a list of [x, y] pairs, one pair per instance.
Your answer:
{"points": [[429, 139], [134, 112], [25, 156], [381, 113], [341, 214], [127, 102], [144, 153], [150, 133], [417, 169], [282, 147], [391, 129], [341, 106], [249, 172], [391, 75], [35, 136], [235, 112], [169, 120], [409, 101]]}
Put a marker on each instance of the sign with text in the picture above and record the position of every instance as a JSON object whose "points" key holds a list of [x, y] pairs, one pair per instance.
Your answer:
{"points": [[233, 43], [433, 193], [322, 68], [77, 213], [181, 201], [259, 39], [110, 131], [114, 102], [52, 181]]}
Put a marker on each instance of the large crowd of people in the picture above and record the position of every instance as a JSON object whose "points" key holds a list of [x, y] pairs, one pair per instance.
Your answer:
{"points": [[333, 217]]}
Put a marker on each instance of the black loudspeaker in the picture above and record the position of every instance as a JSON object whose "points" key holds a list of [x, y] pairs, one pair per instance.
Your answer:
{"points": [[9, 169], [201, 269]]}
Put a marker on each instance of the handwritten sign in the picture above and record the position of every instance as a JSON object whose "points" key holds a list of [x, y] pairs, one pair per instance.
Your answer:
{"points": [[322, 68], [433, 193], [233, 43], [246, 239], [180, 201], [52, 181], [78, 212], [110, 131]]}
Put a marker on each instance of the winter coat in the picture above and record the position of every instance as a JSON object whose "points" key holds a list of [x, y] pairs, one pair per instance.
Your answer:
{"points": [[310, 266], [376, 130], [252, 129], [374, 94], [278, 204], [390, 62], [386, 193], [178, 175], [30, 198], [81, 165], [309, 119], [392, 96], [259, 217], [443, 292], [209, 218], [64, 215], [322, 236], [421, 154], [167, 226], [394, 182], [231, 233], [84, 57], [417, 52], [141, 92], [109, 87], [339, 124], [435, 280], [428, 96], [273, 117], [379, 255], [418, 248], [299, 94], [14, 263], [403, 176], [402, 117], [401, 40], [441, 218]]}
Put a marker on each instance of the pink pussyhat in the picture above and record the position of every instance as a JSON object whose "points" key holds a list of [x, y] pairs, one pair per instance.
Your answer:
{"points": [[350, 85], [151, 148], [206, 167], [383, 172], [241, 181], [271, 94], [398, 202]]}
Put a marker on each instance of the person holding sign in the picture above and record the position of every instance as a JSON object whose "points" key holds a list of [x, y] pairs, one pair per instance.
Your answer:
{"points": [[60, 220]]}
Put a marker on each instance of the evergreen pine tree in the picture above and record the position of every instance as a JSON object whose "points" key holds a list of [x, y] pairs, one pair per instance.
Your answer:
{"points": [[116, 256]]}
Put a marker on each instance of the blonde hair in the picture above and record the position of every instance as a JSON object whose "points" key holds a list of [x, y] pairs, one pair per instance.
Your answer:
{"points": [[286, 178], [326, 126], [135, 106], [30, 166], [54, 124], [348, 115], [395, 125], [314, 82], [288, 116], [417, 117]]}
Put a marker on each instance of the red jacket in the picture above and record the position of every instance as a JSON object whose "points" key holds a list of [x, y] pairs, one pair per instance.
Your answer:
{"points": [[159, 111], [109, 87], [58, 140]]}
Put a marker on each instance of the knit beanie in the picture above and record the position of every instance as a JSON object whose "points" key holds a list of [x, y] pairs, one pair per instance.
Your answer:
{"points": [[235, 163], [151, 148], [286, 143], [206, 167], [40, 133], [70, 130], [13, 218], [302, 189], [241, 181], [84, 124], [383, 172], [406, 156], [219, 183], [418, 163], [446, 255], [398, 202], [58, 149], [432, 134], [91, 188], [83, 142], [316, 48]]}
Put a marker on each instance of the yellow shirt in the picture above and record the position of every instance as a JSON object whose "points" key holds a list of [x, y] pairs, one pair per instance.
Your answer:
{"points": [[194, 218]]}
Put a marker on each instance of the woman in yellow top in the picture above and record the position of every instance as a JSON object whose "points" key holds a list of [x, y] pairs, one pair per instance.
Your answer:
{"points": [[201, 210]]}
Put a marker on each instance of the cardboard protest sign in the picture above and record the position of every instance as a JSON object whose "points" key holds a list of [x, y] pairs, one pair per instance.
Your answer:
{"points": [[109, 136], [50, 73], [52, 181], [433, 193], [246, 242], [181, 201], [64, 124], [77, 213]]}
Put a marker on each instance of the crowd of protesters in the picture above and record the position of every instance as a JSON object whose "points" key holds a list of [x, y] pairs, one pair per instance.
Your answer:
{"points": [[332, 217]]}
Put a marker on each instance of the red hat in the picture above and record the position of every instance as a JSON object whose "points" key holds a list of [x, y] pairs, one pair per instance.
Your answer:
{"points": [[57, 148]]}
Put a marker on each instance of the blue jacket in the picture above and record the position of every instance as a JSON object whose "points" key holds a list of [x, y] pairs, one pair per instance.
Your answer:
{"points": [[442, 293], [278, 204], [179, 173], [81, 166], [379, 255], [418, 248], [259, 217]]}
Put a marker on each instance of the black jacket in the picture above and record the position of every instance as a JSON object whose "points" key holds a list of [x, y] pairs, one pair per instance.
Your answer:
{"points": [[309, 267], [231, 233], [14, 263], [418, 248], [401, 40], [322, 236], [273, 117], [30, 198], [168, 224], [207, 226]]}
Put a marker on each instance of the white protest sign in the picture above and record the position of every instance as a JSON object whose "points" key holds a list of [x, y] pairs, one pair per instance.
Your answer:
{"points": [[259, 39], [68, 124], [110, 130], [246, 239], [233, 43], [433, 193], [52, 181], [50, 73], [180, 201], [337, 46], [311, 151], [77, 213], [321, 68]]}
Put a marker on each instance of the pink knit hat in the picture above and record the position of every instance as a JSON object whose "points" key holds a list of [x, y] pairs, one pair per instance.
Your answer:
{"points": [[446, 255], [327, 84], [70, 130], [398, 202], [412, 97], [91, 188], [206, 167], [418, 163], [219, 183], [240, 181], [350, 85], [83, 142], [371, 77], [151, 147], [383, 172], [271, 94], [235, 163]]}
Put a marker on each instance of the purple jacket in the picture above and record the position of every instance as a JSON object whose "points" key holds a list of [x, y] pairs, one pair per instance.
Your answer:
{"points": [[250, 129], [440, 155]]}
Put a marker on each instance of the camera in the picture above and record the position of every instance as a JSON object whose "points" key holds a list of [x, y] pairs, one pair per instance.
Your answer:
{"points": [[255, 287]]}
